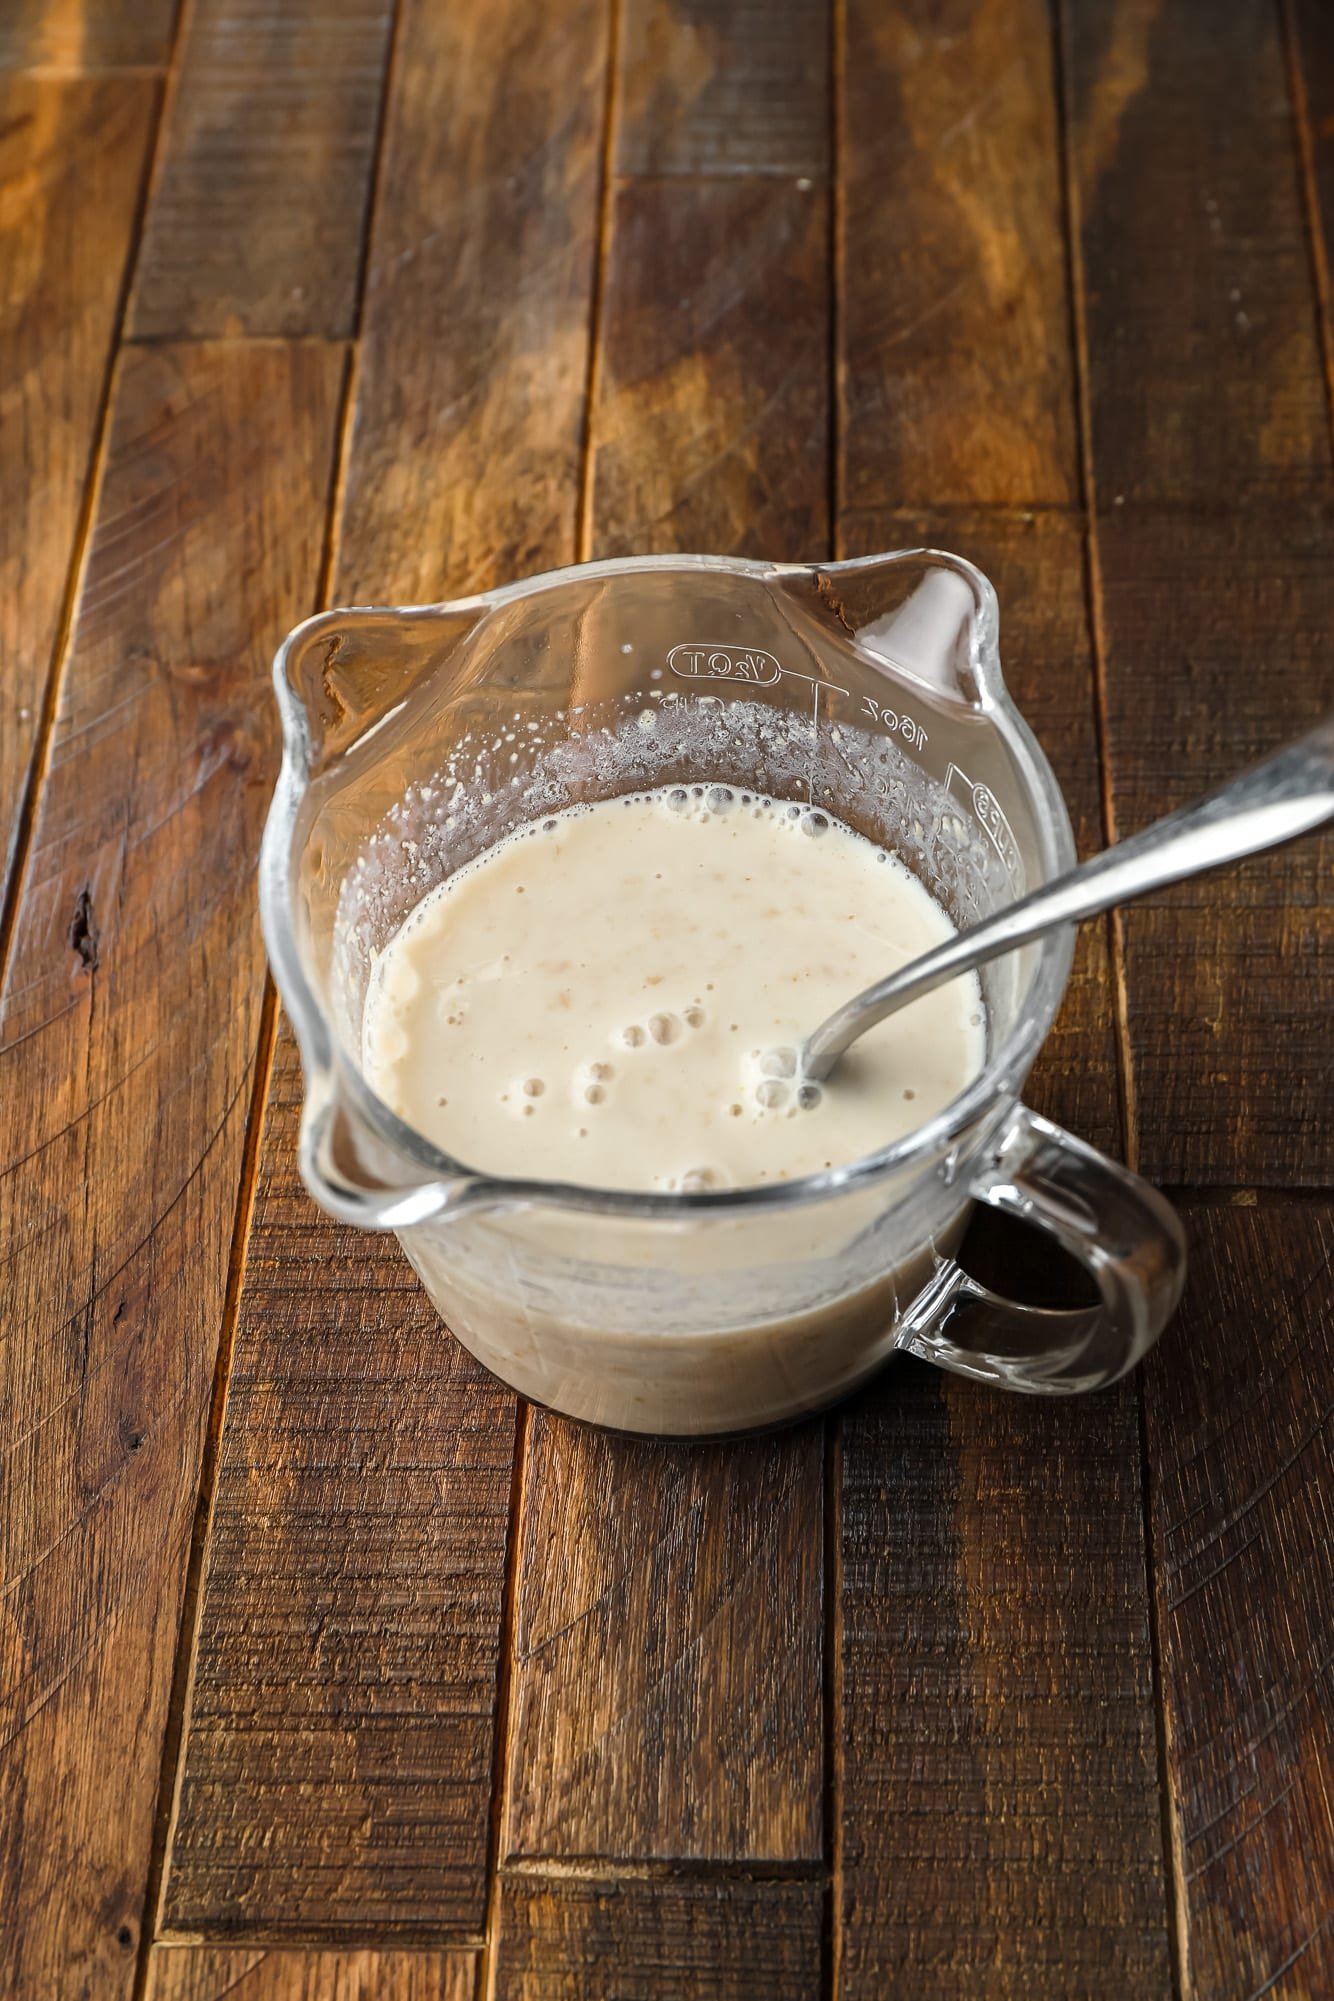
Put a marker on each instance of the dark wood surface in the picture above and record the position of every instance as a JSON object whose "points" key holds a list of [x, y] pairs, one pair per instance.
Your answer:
{"points": [[327, 1671]]}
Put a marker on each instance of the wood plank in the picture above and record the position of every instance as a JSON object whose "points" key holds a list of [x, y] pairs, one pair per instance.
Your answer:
{"points": [[254, 1973], [1000, 1814], [1205, 390], [1217, 651], [1312, 55], [955, 372], [470, 412], [706, 1740], [1204, 362], [996, 1799], [724, 87], [70, 37], [259, 205], [695, 1940], [711, 424], [127, 1034], [72, 159], [374, 1810], [338, 1765], [1240, 1409], [668, 1648], [1036, 562]]}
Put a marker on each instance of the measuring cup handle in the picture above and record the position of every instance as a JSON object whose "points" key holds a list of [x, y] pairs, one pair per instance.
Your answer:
{"points": [[1121, 1230]]}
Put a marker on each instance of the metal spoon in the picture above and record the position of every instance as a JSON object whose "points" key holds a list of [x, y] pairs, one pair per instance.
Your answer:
{"points": [[1273, 802]]}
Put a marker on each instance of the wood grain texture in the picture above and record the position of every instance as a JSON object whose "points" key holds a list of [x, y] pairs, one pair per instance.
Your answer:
{"points": [[1240, 1409], [724, 87], [127, 1034], [254, 1973], [1036, 562], [576, 1939], [72, 158], [955, 372], [1203, 352], [711, 426], [1217, 648], [667, 1649], [470, 413], [1000, 1816], [337, 1768], [373, 1810], [648, 1719], [259, 204], [68, 37], [1312, 53]]}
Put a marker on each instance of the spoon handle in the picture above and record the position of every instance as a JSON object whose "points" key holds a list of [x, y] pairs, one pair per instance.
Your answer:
{"points": [[1289, 794]]}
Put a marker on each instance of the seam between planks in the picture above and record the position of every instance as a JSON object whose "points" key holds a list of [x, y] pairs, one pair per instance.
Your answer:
{"points": [[607, 185], [488, 1963], [183, 1672], [1216, 1195], [1174, 1853], [676, 1869], [318, 1939], [352, 388], [502, 1745], [183, 1669], [1174, 1899], [1088, 508], [76, 73], [639, 177], [183, 1665], [39, 762], [837, 264], [1306, 175], [832, 1941]]}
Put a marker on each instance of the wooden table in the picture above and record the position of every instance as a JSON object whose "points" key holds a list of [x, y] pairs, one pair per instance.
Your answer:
{"points": [[329, 1671]]}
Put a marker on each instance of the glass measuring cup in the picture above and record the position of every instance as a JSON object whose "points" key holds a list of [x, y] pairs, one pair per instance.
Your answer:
{"points": [[414, 738]]}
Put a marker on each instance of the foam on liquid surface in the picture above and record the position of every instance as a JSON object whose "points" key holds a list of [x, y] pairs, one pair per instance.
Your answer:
{"points": [[615, 997]]}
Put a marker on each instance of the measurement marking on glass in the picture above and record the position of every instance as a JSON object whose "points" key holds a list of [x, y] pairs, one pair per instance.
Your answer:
{"points": [[987, 812]]}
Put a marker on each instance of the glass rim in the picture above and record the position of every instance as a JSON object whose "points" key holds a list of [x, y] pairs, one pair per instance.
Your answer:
{"points": [[329, 1071]]}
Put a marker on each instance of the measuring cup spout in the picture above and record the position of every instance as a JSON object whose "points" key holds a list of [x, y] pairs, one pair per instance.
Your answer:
{"points": [[359, 1178], [923, 615], [343, 674]]}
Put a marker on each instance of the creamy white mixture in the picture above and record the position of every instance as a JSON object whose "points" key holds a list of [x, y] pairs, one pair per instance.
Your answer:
{"points": [[615, 996]]}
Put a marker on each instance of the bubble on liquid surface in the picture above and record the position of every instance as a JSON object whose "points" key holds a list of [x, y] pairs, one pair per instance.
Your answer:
{"points": [[663, 1028], [809, 1096], [771, 1094], [600, 1073], [594, 1094], [720, 798], [694, 1017], [388, 1042], [632, 1036], [696, 1180], [678, 799], [778, 1063], [815, 824], [533, 1087]]}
